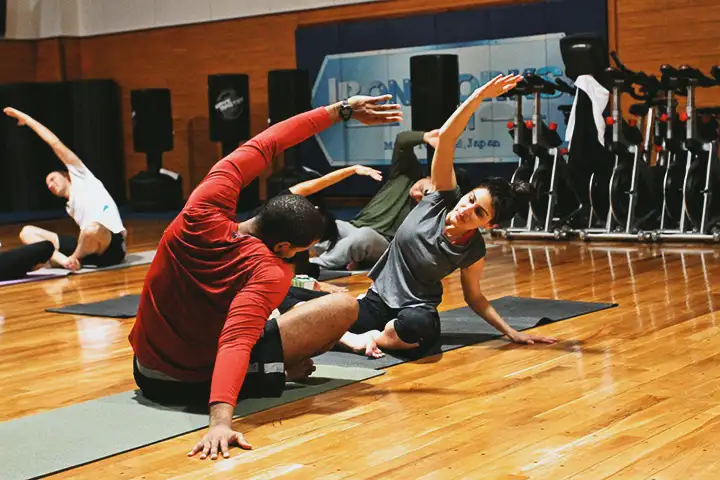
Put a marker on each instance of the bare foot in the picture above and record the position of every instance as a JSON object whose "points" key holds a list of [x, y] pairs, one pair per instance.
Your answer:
{"points": [[300, 371], [72, 264], [364, 343]]}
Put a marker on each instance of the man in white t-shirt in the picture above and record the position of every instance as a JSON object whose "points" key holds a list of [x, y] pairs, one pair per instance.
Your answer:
{"points": [[101, 241]]}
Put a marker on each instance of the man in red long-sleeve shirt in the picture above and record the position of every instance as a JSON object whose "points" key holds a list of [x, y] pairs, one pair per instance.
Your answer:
{"points": [[202, 332]]}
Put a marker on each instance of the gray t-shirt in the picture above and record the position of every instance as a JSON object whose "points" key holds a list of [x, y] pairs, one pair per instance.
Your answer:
{"points": [[411, 270]]}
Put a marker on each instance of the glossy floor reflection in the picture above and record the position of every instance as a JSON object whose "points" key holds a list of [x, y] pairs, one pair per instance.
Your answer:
{"points": [[631, 392]]}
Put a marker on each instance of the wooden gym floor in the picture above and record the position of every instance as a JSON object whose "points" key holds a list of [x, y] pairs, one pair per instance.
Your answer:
{"points": [[631, 392]]}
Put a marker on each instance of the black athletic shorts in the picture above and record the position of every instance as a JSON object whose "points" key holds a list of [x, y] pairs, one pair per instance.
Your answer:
{"points": [[298, 295], [412, 324], [114, 255], [265, 376]]}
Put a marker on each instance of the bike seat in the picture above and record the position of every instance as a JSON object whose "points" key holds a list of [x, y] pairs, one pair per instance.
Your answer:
{"points": [[696, 77], [715, 70], [670, 77], [616, 75], [669, 71], [639, 109]]}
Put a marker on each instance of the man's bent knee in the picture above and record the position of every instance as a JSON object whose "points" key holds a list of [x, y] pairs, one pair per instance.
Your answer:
{"points": [[345, 303], [95, 238], [28, 234], [417, 325]]}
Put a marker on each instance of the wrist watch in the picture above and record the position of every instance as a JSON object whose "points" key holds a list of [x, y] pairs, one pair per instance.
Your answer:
{"points": [[345, 110]]}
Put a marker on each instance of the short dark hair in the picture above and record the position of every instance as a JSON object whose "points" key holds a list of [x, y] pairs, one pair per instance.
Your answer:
{"points": [[463, 181], [330, 232], [508, 198], [289, 218]]}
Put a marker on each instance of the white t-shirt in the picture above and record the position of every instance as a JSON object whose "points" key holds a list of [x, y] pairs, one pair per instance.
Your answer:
{"points": [[90, 202]]}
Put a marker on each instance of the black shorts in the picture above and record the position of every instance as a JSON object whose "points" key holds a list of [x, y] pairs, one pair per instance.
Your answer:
{"points": [[265, 376], [298, 295], [412, 324], [114, 255]]}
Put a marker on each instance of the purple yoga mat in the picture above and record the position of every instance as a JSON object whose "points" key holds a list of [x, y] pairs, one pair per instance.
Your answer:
{"points": [[30, 278]]}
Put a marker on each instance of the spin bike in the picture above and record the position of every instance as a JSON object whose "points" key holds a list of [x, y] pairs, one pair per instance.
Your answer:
{"points": [[633, 187], [620, 188], [699, 217], [554, 202], [669, 137]]}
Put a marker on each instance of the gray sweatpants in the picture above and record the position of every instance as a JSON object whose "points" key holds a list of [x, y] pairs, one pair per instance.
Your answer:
{"points": [[363, 246]]}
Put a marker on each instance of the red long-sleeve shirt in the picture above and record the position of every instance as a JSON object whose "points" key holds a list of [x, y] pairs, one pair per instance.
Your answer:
{"points": [[210, 290]]}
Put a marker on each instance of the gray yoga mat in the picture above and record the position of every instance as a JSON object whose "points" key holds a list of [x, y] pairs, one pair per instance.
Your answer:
{"points": [[32, 278], [131, 260], [68, 437], [462, 327], [121, 307]]}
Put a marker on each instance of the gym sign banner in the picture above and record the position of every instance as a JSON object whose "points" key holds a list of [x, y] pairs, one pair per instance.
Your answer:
{"points": [[486, 139]]}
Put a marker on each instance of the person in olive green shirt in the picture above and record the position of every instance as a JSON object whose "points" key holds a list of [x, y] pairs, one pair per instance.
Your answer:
{"points": [[362, 241]]}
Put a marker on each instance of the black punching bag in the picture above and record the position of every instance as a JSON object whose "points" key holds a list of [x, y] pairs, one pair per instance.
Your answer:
{"points": [[229, 114], [97, 132], [155, 189], [434, 91], [152, 121], [229, 108], [289, 94]]}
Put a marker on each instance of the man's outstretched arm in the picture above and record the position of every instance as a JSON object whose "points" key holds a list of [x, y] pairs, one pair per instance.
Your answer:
{"points": [[66, 155], [221, 188], [243, 327]]}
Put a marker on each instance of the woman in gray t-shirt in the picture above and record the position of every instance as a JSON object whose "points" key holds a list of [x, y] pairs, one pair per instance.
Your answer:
{"points": [[440, 235]]}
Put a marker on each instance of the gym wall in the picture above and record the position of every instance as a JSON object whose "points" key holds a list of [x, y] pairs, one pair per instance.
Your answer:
{"points": [[180, 58], [356, 55], [17, 61]]}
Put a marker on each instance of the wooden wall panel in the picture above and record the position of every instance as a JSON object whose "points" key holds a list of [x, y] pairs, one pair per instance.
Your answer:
{"points": [[645, 33], [180, 58], [72, 58], [670, 31], [50, 66], [17, 61]]}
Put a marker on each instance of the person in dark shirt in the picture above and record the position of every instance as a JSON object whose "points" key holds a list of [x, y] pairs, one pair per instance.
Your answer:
{"points": [[362, 241], [309, 189]]}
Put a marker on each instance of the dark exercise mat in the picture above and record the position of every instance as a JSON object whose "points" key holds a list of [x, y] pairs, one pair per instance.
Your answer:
{"points": [[462, 327], [121, 307]]}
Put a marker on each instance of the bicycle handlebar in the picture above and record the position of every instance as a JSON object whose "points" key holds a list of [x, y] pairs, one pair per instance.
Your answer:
{"points": [[564, 87], [620, 65], [539, 84]]}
